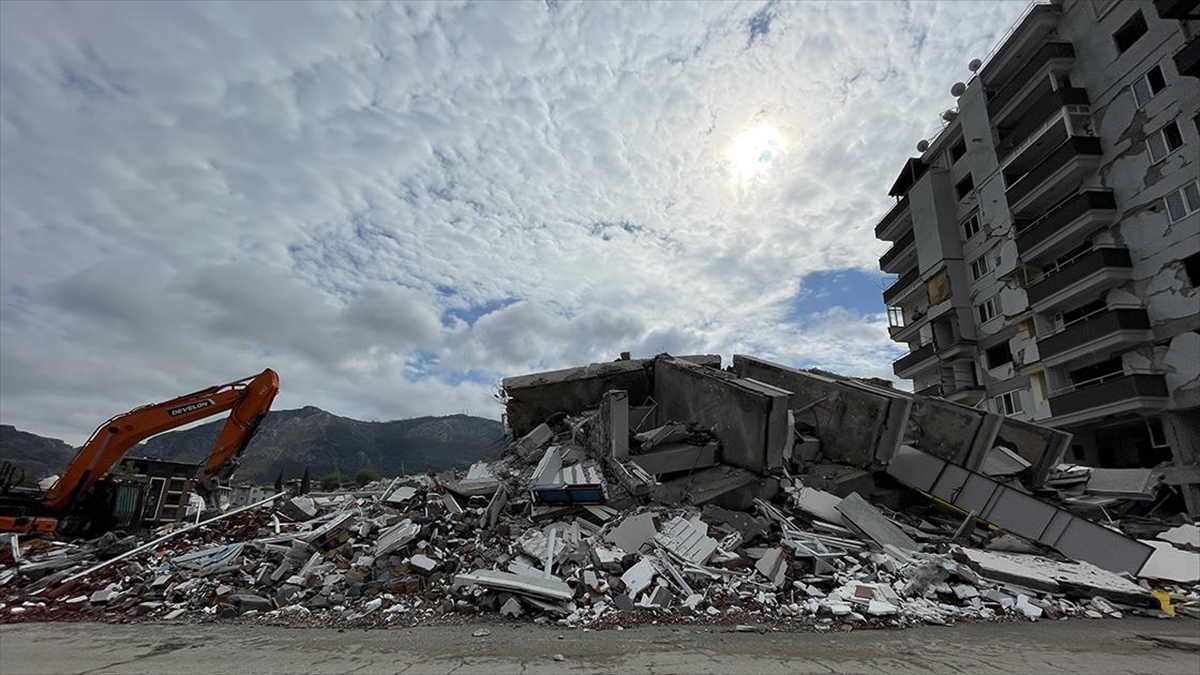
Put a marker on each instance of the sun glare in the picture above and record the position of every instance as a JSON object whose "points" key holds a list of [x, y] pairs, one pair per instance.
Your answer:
{"points": [[754, 151]]}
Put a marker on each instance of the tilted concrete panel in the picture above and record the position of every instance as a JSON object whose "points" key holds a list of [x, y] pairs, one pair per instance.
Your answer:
{"points": [[748, 419], [535, 397], [857, 423]]}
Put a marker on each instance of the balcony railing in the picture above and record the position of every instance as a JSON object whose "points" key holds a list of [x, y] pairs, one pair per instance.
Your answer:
{"points": [[1109, 392], [912, 358], [1043, 228], [1077, 271], [1102, 324], [891, 217], [1071, 148], [1047, 53], [1039, 115], [1187, 60], [892, 292], [897, 248]]}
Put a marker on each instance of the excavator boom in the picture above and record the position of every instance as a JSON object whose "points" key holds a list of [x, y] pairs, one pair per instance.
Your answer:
{"points": [[249, 399]]}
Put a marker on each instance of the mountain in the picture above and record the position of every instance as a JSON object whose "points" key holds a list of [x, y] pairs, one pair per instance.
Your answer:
{"points": [[37, 455], [290, 440]]}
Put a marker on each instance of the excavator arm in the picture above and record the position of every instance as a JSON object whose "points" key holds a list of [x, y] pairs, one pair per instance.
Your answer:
{"points": [[249, 399]]}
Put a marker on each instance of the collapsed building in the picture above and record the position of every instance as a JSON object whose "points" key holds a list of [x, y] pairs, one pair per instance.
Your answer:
{"points": [[669, 488]]}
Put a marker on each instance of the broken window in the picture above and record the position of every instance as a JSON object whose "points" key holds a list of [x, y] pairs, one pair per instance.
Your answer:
{"points": [[958, 150], [1164, 141], [999, 355], [1130, 32], [970, 226], [1183, 202], [1191, 265], [1009, 403], [988, 310], [966, 186], [1148, 85]]}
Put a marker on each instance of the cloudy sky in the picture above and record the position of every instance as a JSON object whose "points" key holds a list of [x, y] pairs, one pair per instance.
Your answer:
{"points": [[396, 205]]}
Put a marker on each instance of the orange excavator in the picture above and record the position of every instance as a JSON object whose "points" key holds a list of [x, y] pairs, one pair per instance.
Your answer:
{"points": [[248, 399]]}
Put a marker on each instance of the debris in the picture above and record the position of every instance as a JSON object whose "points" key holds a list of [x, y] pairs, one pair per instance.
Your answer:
{"points": [[482, 632], [1170, 563], [1187, 535]]}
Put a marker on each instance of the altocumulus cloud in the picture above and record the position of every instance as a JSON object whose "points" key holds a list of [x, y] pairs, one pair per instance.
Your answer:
{"points": [[395, 205]]}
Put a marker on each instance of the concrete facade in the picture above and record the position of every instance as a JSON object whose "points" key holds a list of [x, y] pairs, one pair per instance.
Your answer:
{"points": [[1047, 240]]}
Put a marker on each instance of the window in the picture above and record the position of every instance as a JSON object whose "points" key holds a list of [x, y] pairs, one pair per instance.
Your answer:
{"points": [[1164, 141], [958, 150], [1191, 265], [967, 185], [981, 266], [999, 355], [1183, 202], [1009, 403], [1146, 86], [1130, 32], [988, 310], [970, 226]]}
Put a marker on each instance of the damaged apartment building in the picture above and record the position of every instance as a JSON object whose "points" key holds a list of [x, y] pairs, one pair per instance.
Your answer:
{"points": [[1047, 240]]}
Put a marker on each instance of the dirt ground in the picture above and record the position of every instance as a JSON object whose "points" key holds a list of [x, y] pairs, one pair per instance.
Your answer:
{"points": [[1072, 646]]}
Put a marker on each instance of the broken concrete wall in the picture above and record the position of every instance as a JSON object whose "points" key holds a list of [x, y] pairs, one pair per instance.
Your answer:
{"points": [[533, 398], [748, 419], [955, 433], [856, 423], [1042, 447]]}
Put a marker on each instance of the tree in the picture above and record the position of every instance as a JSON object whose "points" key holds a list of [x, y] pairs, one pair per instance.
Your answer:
{"points": [[279, 483], [365, 476], [331, 482], [305, 482]]}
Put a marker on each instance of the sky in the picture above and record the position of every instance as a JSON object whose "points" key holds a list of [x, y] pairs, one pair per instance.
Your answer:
{"points": [[396, 205]]}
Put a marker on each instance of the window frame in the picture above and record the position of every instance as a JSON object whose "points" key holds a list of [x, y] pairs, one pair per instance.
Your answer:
{"points": [[989, 265], [992, 304], [1145, 79], [963, 226], [1184, 201], [1009, 403], [1161, 133]]}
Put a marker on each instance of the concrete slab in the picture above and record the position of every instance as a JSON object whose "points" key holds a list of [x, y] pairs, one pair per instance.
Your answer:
{"points": [[868, 520], [676, 457], [633, 532], [535, 397], [819, 504], [1170, 563]]}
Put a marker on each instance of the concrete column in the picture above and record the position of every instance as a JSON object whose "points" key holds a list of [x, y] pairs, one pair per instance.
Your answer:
{"points": [[1182, 431]]}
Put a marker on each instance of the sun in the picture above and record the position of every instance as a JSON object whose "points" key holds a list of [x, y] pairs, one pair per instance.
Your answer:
{"points": [[754, 151]]}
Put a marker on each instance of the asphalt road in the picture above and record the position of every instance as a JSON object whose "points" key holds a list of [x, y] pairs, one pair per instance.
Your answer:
{"points": [[1072, 646]]}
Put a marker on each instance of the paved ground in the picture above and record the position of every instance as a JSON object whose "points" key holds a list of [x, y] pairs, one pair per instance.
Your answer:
{"points": [[1073, 646]]}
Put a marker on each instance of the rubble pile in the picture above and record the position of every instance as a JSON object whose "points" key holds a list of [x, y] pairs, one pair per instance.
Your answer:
{"points": [[579, 525]]}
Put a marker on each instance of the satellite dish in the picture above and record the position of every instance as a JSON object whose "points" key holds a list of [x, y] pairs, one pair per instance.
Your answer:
{"points": [[922, 145], [950, 114], [958, 89], [974, 65]]}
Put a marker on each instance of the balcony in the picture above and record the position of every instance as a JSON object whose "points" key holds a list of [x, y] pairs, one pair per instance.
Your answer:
{"points": [[898, 252], [1071, 160], [1049, 55], [1179, 10], [886, 229], [1116, 395], [923, 357], [1097, 337], [1094, 271], [897, 290], [1066, 224], [1039, 117], [1187, 60]]}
